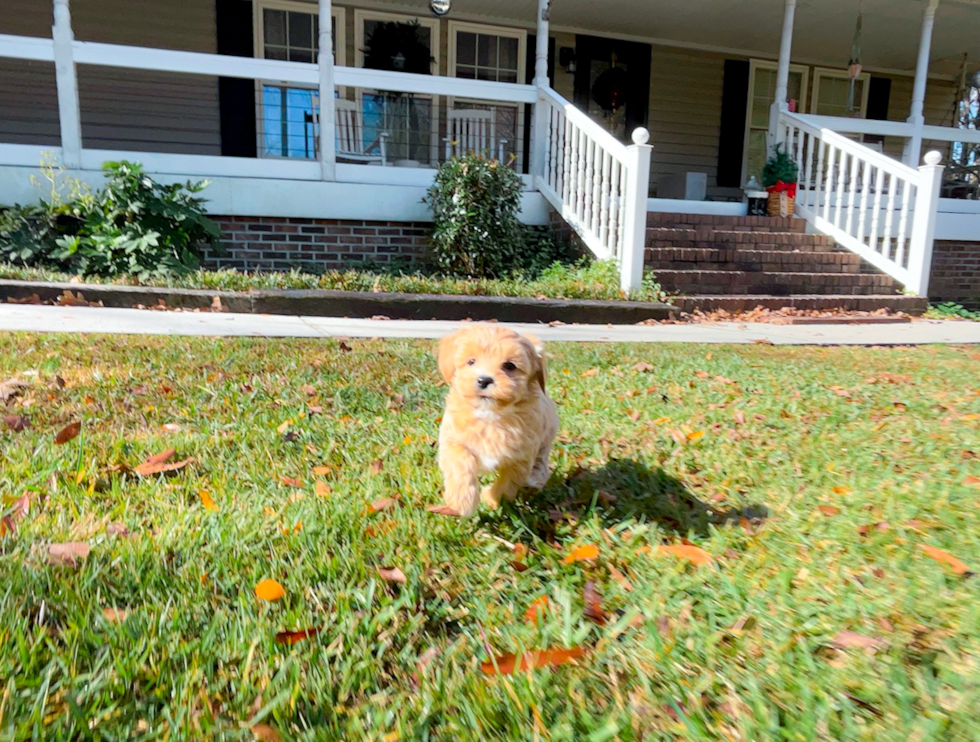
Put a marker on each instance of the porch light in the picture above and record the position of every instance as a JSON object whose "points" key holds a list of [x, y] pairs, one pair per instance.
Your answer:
{"points": [[439, 8], [854, 65], [398, 62]]}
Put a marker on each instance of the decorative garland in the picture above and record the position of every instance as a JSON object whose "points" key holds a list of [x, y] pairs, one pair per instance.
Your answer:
{"points": [[609, 89]]}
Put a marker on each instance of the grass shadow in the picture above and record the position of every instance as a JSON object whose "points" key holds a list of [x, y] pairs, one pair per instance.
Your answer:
{"points": [[625, 490]]}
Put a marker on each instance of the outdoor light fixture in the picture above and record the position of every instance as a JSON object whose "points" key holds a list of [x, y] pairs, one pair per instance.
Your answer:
{"points": [[398, 62], [566, 58], [439, 8]]}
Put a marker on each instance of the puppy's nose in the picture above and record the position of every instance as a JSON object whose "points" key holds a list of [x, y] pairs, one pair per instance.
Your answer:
{"points": [[484, 381]]}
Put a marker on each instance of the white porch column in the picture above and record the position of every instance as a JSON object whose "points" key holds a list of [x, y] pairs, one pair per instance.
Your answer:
{"points": [[782, 72], [327, 117], [539, 121], [67, 81], [913, 148]]}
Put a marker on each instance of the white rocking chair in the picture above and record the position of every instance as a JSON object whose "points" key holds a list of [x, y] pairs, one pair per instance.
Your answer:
{"points": [[350, 134], [472, 131]]}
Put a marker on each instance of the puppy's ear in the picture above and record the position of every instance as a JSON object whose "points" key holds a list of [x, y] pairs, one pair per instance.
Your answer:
{"points": [[538, 365], [447, 356]]}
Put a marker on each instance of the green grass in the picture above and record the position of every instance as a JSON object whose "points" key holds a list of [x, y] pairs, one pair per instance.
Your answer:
{"points": [[885, 435], [584, 280]]}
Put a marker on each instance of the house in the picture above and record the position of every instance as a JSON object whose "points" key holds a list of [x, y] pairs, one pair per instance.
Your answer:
{"points": [[635, 125]]}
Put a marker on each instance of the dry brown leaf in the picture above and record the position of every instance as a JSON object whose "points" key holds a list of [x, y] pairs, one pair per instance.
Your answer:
{"points": [[536, 611], [159, 464], [321, 489], [869, 527], [845, 639], [829, 510], [642, 366], [740, 417], [265, 733], [593, 605], [308, 389], [385, 503], [508, 663], [269, 590], [294, 637], [377, 466], [426, 657], [582, 553], [591, 372], [68, 433], [745, 623], [620, 578], [944, 557], [443, 510], [972, 481], [16, 423], [392, 574], [115, 615], [635, 415], [18, 509], [171, 427], [695, 554], [117, 529], [68, 554], [291, 481], [10, 389]]}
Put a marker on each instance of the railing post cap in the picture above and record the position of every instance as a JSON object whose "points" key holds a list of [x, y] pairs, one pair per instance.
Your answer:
{"points": [[640, 135], [933, 158]]}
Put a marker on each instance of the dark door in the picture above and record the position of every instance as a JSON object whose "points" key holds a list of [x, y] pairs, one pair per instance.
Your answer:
{"points": [[612, 82]]}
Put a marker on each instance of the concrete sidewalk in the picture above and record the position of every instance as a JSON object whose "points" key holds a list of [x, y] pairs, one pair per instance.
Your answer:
{"points": [[30, 318]]}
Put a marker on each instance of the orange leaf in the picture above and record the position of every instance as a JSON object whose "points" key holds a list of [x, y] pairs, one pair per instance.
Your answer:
{"points": [[269, 590], [829, 510], [69, 554], [158, 464], [972, 480], [589, 373], [443, 510], [661, 420], [968, 418], [593, 605], [67, 433], [508, 663], [852, 640], [322, 471], [642, 366], [265, 733], [392, 574], [694, 554], [536, 611], [115, 615], [620, 578], [294, 637], [842, 490], [377, 466], [385, 503], [582, 553], [695, 436], [290, 481], [321, 488], [207, 501], [946, 558]]}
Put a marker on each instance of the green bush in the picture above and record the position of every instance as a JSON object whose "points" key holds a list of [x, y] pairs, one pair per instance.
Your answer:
{"points": [[476, 233], [779, 167], [131, 226]]}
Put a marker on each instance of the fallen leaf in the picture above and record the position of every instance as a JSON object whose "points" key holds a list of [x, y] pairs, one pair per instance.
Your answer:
{"points": [[635, 415], [16, 423], [694, 554], [115, 615], [944, 557], [392, 574], [385, 503], [886, 625], [591, 372], [829, 510], [868, 528], [117, 529], [702, 374], [593, 605], [969, 418], [642, 366], [308, 389], [290, 481], [845, 639], [740, 417], [443, 510], [207, 501], [663, 626], [158, 464], [10, 389], [508, 663], [661, 420], [321, 489], [426, 657], [322, 471], [344, 347], [18, 509], [745, 623], [68, 554], [269, 590], [283, 427], [620, 578], [519, 566], [377, 466], [917, 525], [536, 611], [695, 436], [265, 733], [294, 637], [582, 553], [68, 433], [972, 481]]}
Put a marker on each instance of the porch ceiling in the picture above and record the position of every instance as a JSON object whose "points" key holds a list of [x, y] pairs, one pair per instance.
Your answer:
{"points": [[824, 28]]}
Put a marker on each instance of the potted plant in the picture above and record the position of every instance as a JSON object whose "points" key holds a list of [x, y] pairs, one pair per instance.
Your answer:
{"points": [[779, 176]]}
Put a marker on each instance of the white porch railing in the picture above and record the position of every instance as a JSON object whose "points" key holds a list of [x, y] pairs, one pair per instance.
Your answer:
{"points": [[877, 207], [597, 184]]}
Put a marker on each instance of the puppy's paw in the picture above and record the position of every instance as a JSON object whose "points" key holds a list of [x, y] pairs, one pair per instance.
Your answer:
{"points": [[488, 496]]}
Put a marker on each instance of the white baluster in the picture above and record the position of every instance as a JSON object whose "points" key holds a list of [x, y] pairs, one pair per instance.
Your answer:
{"points": [[865, 189], [605, 194], [819, 188], [903, 223], [588, 205], [876, 214], [828, 196], [852, 194], [886, 243], [841, 187]]}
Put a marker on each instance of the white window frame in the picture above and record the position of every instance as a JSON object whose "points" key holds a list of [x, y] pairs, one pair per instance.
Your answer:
{"points": [[488, 30], [838, 74], [754, 65], [338, 17], [433, 24]]}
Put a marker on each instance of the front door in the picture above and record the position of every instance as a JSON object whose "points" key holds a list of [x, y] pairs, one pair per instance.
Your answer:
{"points": [[612, 83]]}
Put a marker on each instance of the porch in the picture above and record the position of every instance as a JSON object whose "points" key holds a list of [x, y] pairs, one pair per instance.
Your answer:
{"points": [[284, 128]]}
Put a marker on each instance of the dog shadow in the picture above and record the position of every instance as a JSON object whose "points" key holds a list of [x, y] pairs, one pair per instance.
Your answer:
{"points": [[626, 490]]}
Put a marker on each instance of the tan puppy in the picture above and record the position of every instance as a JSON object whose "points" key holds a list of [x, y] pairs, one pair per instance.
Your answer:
{"points": [[498, 418]]}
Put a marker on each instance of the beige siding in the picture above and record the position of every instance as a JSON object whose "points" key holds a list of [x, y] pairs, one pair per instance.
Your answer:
{"points": [[121, 109]]}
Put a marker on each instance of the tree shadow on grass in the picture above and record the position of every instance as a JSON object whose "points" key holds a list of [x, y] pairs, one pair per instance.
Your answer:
{"points": [[625, 490]]}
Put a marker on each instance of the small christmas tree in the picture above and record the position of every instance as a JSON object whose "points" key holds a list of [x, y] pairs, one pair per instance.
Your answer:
{"points": [[779, 168]]}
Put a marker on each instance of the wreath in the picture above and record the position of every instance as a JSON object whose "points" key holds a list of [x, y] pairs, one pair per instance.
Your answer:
{"points": [[609, 89]]}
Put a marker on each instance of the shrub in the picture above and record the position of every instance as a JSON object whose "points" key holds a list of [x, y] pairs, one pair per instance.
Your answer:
{"points": [[131, 226], [779, 167]]}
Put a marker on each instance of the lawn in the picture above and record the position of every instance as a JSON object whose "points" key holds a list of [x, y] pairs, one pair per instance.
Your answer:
{"points": [[810, 478]]}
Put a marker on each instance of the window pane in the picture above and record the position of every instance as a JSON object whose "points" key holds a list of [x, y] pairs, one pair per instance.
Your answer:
{"points": [[276, 52], [466, 48], [301, 30], [508, 53], [507, 76], [482, 73], [486, 48], [274, 26], [300, 55], [466, 71]]}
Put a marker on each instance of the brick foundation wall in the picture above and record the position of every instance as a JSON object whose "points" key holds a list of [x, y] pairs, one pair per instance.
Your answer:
{"points": [[281, 244], [956, 273]]}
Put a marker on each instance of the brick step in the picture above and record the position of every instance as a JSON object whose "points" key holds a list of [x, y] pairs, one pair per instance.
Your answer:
{"points": [[769, 261], [914, 305], [735, 223], [670, 237], [776, 284]]}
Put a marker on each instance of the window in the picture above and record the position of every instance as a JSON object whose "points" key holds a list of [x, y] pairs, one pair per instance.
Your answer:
{"points": [[496, 54], [290, 31], [831, 89], [762, 93]]}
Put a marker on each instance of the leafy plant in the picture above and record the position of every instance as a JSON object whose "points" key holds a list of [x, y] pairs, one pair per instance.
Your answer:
{"points": [[779, 167], [952, 310]]}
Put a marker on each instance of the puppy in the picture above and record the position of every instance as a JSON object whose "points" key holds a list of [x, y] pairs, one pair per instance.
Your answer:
{"points": [[498, 418]]}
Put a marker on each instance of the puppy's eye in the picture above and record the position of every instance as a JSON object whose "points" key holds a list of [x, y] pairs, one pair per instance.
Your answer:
{"points": [[471, 362], [508, 366]]}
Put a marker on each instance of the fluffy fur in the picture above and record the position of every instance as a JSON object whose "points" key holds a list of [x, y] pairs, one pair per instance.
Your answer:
{"points": [[498, 418]]}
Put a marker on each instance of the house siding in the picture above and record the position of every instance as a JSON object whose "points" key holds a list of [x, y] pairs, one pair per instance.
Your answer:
{"points": [[120, 109]]}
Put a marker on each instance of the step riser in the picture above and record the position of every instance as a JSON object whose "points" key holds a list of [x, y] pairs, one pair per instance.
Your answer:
{"points": [[744, 240], [778, 284], [751, 260], [745, 223], [913, 305]]}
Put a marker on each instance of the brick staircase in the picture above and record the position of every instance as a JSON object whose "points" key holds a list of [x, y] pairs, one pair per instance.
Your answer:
{"points": [[739, 263]]}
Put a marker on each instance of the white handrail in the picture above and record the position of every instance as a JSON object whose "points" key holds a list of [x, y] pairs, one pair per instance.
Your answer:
{"points": [[845, 125], [26, 47], [588, 126], [865, 200], [949, 134], [407, 82]]}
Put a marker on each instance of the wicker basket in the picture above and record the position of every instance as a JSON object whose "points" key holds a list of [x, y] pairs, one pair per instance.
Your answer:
{"points": [[775, 205]]}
